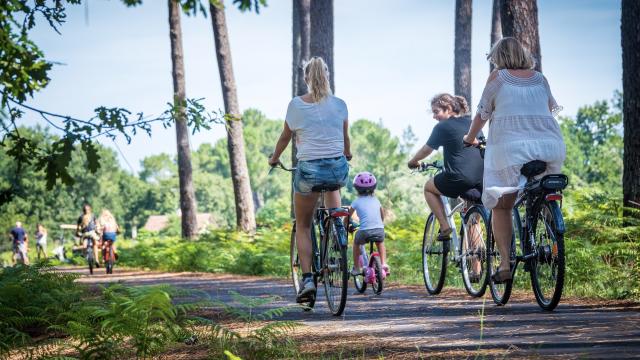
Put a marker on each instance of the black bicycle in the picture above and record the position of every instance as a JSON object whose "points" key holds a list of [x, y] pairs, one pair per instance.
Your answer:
{"points": [[538, 238], [90, 255], [329, 252], [466, 250]]}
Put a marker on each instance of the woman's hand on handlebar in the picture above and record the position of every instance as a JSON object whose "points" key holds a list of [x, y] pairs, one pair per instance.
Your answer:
{"points": [[273, 161], [469, 141], [413, 164]]}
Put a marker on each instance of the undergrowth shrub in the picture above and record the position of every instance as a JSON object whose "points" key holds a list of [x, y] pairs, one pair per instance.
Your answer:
{"points": [[32, 299], [124, 322], [261, 337]]}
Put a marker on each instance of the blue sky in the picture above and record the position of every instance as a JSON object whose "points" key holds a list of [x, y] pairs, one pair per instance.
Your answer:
{"points": [[391, 57]]}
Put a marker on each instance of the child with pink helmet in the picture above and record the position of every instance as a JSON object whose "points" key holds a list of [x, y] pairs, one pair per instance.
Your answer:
{"points": [[371, 215]]}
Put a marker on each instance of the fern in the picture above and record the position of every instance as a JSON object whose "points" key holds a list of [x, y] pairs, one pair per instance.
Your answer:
{"points": [[270, 340]]}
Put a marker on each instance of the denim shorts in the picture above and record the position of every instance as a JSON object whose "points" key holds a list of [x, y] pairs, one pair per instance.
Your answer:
{"points": [[317, 172], [109, 236]]}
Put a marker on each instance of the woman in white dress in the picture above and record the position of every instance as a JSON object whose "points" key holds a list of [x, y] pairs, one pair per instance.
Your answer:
{"points": [[518, 104]]}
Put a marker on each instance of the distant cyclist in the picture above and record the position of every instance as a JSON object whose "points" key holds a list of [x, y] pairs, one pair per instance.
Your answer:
{"points": [[87, 228], [20, 241], [41, 241], [109, 229], [319, 121]]}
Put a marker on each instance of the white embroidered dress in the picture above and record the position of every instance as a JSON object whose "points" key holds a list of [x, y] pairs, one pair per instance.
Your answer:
{"points": [[521, 129]]}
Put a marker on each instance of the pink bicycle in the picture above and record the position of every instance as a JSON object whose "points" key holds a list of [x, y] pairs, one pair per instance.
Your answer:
{"points": [[372, 271]]}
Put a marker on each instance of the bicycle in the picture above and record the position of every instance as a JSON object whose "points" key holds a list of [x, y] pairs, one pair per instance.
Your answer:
{"points": [[89, 255], [109, 256], [469, 251], [540, 234], [20, 253], [329, 252], [372, 273]]}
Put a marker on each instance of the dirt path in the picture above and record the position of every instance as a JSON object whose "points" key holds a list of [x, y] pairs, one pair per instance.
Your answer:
{"points": [[404, 322]]}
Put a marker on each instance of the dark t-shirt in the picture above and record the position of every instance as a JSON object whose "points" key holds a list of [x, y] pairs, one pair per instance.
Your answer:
{"points": [[90, 227], [18, 234], [463, 163]]}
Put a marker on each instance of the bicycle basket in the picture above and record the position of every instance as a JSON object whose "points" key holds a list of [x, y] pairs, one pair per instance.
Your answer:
{"points": [[554, 182]]}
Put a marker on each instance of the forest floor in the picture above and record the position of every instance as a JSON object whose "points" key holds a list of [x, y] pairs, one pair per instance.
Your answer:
{"points": [[404, 322]]}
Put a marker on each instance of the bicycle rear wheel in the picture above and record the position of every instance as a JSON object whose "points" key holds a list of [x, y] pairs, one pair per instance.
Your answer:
{"points": [[376, 263], [334, 268], [499, 292], [109, 261], [548, 268], [296, 270], [473, 256], [91, 261], [434, 257]]}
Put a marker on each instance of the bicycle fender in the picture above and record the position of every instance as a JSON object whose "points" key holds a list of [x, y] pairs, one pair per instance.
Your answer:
{"points": [[557, 216]]}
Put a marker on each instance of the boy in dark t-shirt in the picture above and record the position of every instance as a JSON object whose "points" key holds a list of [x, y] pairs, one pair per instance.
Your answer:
{"points": [[463, 166]]}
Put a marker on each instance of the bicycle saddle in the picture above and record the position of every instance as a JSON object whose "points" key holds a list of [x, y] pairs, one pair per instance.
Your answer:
{"points": [[326, 187], [472, 195], [533, 168]]}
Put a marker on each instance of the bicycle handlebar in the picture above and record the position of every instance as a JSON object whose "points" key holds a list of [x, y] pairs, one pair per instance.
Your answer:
{"points": [[423, 167], [281, 166], [482, 143]]}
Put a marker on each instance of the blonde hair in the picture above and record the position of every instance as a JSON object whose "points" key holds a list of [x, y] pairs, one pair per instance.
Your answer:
{"points": [[106, 217], [457, 104], [508, 53], [316, 75]]}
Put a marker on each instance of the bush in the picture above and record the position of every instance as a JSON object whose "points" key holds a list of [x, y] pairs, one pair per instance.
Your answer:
{"points": [[33, 299]]}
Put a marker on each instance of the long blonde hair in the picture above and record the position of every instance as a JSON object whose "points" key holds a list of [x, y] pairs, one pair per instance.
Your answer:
{"points": [[457, 104], [316, 75], [508, 53], [107, 218]]}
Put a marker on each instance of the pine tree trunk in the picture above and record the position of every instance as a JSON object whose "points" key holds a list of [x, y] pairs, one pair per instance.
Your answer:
{"points": [[187, 196], [462, 50], [322, 34], [301, 31], [631, 104], [245, 216], [496, 27], [519, 19]]}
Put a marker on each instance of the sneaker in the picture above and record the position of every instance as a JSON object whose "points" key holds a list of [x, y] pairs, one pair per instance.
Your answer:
{"points": [[356, 272], [386, 270], [307, 291]]}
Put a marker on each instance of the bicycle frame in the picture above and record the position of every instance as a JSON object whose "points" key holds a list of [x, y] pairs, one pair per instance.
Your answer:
{"points": [[450, 213]]}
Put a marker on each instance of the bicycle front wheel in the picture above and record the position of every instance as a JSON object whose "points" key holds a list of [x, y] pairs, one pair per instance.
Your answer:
{"points": [[547, 270], [434, 257], [499, 292], [376, 264], [473, 251], [334, 268]]}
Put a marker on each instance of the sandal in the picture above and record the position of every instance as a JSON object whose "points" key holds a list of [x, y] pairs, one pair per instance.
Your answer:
{"points": [[501, 277], [444, 235]]}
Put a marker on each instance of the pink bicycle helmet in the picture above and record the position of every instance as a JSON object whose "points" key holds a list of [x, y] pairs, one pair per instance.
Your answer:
{"points": [[364, 181]]}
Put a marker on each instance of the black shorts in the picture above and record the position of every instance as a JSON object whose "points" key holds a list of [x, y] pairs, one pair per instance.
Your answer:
{"points": [[452, 186]]}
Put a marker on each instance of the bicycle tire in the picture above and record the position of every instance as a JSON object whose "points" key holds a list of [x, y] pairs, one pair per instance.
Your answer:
{"points": [[360, 283], [476, 215], [434, 253], [500, 293], [376, 263], [334, 262], [296, 270], [109, 261], [550, 256]]}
